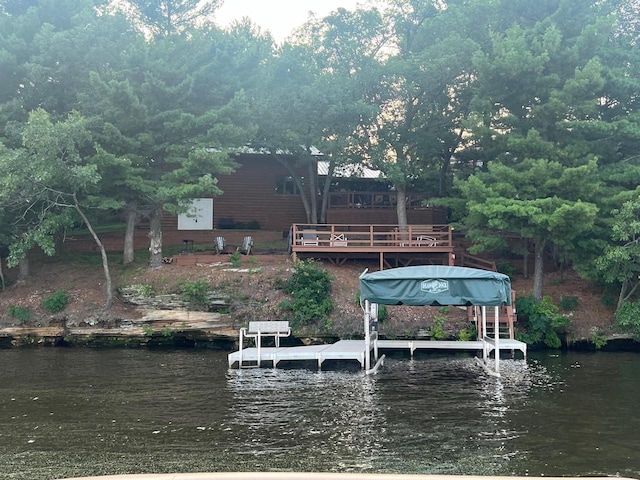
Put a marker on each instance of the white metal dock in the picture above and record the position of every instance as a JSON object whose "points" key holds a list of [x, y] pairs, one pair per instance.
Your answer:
{"points": [[356, 350], [472, 345], [341, 350]]}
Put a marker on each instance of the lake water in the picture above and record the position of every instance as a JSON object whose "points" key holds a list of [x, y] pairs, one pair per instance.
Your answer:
{"points": [[73, 412]]}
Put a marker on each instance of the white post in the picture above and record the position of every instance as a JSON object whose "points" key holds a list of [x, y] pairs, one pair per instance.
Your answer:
{"points": [[258, 345], [367, 334], [497, 339], [240, 351], [485, 354]]}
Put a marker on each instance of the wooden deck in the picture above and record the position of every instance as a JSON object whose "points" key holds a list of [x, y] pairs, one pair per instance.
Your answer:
{"points": [[391, 245]]}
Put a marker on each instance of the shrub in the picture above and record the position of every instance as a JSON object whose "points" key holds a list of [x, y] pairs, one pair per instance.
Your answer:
{"points": [[22, 314], [234, 259], [628, 318], [543, 325], [568, 304], [470, 332], [598, 339], [436, 332], [383, 313], [56, 302], [310, 287], [196, 293]]}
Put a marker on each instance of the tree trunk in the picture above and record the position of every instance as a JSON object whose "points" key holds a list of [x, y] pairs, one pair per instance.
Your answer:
{"points": [[155, 238], [621, 295], [23, 269], [103, 253], [538, 272], [444, 174], [300, 185], [1, 274], [313, 191], [128, 254], [326, 190], [401, 207]]}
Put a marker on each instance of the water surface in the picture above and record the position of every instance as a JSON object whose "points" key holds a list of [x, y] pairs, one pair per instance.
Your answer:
{"points": [[73, 412]]}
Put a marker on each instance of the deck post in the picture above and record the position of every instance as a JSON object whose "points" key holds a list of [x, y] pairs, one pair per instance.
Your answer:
{"points": [[240, 350]]}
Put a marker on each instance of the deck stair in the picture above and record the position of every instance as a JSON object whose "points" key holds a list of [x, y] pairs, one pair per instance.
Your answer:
{"points": [[507, 316]]}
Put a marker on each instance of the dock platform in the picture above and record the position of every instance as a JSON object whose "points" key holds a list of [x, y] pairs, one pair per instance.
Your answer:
{"points": [[472, 345], [341, 350], [356, 350]]}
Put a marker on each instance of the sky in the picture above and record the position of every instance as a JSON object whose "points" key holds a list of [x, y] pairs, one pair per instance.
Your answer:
{"points": [[280, 17]]}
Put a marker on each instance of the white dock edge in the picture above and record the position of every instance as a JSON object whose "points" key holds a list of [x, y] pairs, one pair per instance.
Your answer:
{"points": [[317, 476]]}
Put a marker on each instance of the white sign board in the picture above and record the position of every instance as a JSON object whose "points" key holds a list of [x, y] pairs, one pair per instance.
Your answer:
{"points": [[199, 216]]}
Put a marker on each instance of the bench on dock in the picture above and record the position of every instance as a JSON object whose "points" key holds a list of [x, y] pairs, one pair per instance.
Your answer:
{"points": [[257, 330]]}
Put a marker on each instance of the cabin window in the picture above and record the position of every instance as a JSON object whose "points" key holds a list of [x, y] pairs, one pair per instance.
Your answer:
{"points": [[286, 186]]}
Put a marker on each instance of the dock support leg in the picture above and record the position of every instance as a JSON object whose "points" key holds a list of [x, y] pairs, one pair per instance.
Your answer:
{"points": [[258, 345], [485, 349], [496, 350]]}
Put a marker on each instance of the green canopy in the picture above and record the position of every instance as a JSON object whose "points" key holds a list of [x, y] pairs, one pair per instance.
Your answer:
{"points": [[436, 285]]}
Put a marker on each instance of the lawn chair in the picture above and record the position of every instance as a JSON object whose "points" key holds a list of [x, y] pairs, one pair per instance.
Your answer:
{"points": [[426, 241], [221, 244], [309, 239], [247, 244], [338, 240]]}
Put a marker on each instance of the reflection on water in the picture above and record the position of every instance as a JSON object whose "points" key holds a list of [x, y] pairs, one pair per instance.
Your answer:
{"points": [[87, 412]]}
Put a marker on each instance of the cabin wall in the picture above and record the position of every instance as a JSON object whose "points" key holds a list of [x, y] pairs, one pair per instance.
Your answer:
{"points": [[374, 216], [249, 195]]}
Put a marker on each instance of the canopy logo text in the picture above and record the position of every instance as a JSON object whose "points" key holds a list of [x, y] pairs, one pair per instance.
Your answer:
{"points": [[434, 286]]}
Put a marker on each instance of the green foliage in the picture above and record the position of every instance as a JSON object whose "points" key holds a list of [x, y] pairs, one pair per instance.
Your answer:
{"points": [[568, 303], [22, 314], [196, 293], [310, 287], [620, 263], [147, 330], [628, 318], [145, 290], [598, 339], [166, 332], [543, 325], [279, 283], [436, 331], [470, 332], [56, 302], [506, 268], [234, 259], [608, 300], [383, 313]]}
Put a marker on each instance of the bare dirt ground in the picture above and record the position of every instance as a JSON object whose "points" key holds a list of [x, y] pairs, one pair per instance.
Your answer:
{"points": [[255, 293]]}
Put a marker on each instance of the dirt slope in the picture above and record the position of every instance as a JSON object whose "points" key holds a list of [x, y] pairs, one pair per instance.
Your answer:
{"points": [[254, 294]]}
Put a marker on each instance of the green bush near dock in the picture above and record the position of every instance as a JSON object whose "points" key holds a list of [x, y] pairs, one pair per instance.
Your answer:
{"points": [[543, 324], [56, 302], [310, 288]]}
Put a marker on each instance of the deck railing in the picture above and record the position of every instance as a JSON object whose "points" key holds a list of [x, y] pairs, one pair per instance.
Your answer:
{"points": [[375, 237]]}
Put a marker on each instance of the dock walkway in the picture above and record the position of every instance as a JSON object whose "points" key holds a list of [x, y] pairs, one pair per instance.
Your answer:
{"points": [[341, 350], [355, 350]]}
